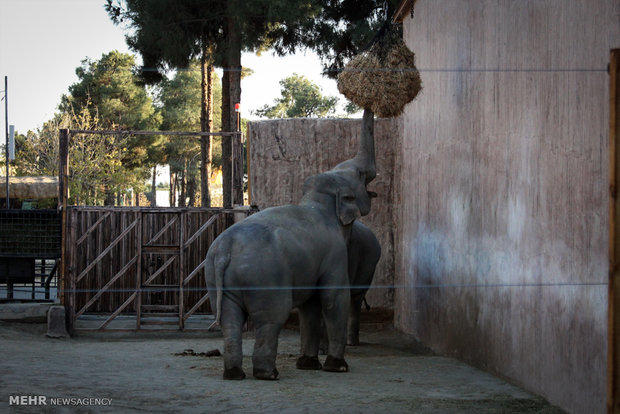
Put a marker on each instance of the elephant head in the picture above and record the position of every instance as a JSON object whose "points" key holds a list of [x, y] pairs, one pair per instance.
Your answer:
{"points": [[326, 187], [361, 170]]}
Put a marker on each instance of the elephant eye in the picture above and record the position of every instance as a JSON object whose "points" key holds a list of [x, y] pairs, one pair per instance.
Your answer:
{"points": [[349, 198]]}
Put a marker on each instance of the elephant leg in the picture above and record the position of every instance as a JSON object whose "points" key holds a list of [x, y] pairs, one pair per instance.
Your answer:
{"points": [[232, 320], [310, 330], [364, 252], [353, 325], [335, 304], [266, 349]]}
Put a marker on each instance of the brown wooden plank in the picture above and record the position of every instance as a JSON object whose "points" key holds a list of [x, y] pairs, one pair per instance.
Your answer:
{"points": [[161, 249], [135, 132], [195, 271], [169, 223], [159, 271], [613, 360], [106, 251], [92, 227], [118, 311], [70, 257], [201, 229], [107, 286], [181, 267], [138, 247], [169, 308], [196, 306], [149, 322], [63, 196]]}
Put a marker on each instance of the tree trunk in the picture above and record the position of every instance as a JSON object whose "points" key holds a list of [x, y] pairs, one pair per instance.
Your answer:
{"points": [[231, 94], [109, 197], [191, 186], [173, 189], [183, 179], [154, 188], [206, 125]]}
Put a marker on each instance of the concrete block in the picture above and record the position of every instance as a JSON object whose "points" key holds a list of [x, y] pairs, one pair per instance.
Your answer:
{"points": [[56, 323], [24, 312]]}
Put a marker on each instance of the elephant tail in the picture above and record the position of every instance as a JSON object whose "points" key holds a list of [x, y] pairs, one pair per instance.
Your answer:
{"points": [[220, 264]]}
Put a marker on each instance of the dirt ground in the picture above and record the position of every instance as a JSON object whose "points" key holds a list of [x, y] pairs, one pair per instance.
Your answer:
{"points": [[143, 372]]}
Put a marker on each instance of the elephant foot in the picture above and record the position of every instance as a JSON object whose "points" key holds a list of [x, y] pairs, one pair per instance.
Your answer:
{"points": [[266, 375], [309, 363], [234, 373], [335, 364]]}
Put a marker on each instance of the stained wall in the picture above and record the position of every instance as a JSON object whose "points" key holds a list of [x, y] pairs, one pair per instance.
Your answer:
{"points": [[501, 233]]}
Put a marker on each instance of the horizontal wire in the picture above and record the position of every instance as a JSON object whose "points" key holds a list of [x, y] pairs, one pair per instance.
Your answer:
{"points": [[336, 287]]}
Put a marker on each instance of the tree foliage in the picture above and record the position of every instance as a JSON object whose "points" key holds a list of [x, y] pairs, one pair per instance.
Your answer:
{"points": [[300, 98], [109, 93], [109, 89], [169, 33], [339, 30], [180, 98], [95, 161]]}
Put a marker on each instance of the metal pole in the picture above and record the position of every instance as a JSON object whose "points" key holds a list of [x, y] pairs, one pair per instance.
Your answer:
{"points": [[6, 131]]}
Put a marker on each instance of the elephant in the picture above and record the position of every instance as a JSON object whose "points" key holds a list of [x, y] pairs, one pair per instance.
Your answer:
{"points": [[363, 254], [281, 258], [363, 249]]}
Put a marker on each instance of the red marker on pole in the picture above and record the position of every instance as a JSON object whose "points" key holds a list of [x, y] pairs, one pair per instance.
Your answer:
{"points": [[237, 110]]}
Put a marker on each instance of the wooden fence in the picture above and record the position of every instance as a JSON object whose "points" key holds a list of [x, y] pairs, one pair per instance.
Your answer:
{"points": [[146, 262]]}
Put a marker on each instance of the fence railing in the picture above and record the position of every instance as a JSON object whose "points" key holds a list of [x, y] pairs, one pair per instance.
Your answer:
{"points": [[146, 262]]}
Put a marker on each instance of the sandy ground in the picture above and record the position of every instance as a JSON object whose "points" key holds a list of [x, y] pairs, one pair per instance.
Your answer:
{"points": [[139, 372]]}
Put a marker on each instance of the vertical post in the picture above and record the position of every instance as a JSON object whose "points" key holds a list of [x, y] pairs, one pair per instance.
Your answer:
{"points": [[249, 165], [63, 193], [182, 225], [613, 360], [237, 169], [72, 230], [139, 244], [6, 131]]}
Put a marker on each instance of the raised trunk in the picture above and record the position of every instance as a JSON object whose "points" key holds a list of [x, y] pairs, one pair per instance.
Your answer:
{"points": [[365, 156], [206, 125]]}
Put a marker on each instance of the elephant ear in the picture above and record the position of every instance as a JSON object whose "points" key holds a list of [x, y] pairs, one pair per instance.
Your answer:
{"points": [[346, 207]]}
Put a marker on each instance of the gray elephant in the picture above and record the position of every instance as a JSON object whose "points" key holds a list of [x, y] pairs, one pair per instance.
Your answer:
{"points": [[363, 249], [364, 252], [281, 258]]}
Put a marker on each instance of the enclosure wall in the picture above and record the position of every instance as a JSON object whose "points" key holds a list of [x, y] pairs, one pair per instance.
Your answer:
{"points": [[502, 235], [285, 152]]}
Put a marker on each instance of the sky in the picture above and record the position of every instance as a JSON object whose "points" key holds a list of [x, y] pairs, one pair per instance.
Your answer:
{"points": [[42, 42]]}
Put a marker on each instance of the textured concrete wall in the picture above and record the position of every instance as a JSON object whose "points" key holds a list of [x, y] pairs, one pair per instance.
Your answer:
{"points": [[502, 235], [284, 152]]}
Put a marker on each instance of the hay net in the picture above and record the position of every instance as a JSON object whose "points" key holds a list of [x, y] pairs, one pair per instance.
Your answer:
{"points": [[384, 77]]}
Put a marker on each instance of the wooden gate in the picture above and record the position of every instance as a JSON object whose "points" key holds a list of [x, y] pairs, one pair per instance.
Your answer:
{"points": [[145, 264]]}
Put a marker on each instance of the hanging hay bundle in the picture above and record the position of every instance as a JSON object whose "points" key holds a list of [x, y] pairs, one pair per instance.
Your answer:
{"points": [[384, 77]]}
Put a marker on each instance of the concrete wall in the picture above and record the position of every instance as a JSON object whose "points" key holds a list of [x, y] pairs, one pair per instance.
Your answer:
{"points": [[284, 152], [503, 227]]}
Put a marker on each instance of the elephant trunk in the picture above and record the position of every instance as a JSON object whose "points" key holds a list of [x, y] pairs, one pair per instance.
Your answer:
{"points": [[365, 157]]}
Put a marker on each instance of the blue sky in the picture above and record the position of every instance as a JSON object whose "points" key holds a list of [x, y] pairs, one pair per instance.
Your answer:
{"points": [[43, 41]]}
